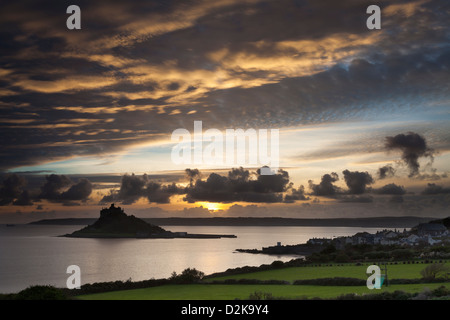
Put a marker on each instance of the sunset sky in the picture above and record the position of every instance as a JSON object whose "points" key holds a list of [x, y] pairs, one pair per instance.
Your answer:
{"points": [[87, 115]]}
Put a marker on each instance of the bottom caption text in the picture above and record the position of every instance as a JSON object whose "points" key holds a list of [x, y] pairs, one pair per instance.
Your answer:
{"points": [[228, 309]]}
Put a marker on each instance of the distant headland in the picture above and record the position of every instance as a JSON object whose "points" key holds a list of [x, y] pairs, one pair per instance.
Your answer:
{"points": [[368, 222], [115, 223]]}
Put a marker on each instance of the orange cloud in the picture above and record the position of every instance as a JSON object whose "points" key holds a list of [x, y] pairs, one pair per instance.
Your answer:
{"points": [[75, 83]]}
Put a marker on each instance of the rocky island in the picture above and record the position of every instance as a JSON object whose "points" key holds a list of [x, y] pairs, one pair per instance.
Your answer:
{"points": [[115, 223]]}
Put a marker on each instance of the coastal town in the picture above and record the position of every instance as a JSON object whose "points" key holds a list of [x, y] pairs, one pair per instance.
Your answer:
{"points": [[424, 235]]}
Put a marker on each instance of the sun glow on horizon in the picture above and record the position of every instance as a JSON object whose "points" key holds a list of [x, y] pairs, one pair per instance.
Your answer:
{"points": [[212, 206]]}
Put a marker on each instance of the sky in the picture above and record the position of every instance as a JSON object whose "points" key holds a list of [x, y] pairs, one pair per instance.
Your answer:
{"points": [[87, 116]]}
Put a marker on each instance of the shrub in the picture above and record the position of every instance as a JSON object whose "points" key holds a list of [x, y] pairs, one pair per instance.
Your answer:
{"points": [[187, 276], [336, 281], [277, 264], [349, 296], [425, 294], [41, 293], [259, 295], [330, 248], [249, 281], [396, 295], [435, 270], [441, 291]]}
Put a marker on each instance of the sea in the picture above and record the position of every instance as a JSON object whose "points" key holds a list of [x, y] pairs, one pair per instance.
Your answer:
{"points": [[37, 255]]}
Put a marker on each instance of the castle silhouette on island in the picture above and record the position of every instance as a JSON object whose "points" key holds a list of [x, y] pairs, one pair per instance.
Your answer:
{"points": [[115, 223], [112, 210]]}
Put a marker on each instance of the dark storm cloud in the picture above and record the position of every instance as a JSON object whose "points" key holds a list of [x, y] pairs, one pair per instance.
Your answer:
{"points": [[159, 193], [131, 188], [215, 188], [192, 175], [53, 186], [56, 188], [78, 191], [294, 194], [412, 146], [134, 187], [357, 181], [240, 185], [325, 187], [24, 199], [431, 176], [433, 188], [60, 188], [270, 183], [116, 82], [12, 190], [391, 188], [385, 172]]}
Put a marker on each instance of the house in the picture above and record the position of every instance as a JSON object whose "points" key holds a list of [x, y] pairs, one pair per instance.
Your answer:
{"points": [[363, 238], [411, 240], [391, 235], [378, 238], [318, 241], [388, 242], [431, 241], [348, 240]]}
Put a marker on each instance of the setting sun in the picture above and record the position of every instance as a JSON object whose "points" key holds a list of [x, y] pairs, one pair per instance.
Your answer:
{"points": [[212, 206]]}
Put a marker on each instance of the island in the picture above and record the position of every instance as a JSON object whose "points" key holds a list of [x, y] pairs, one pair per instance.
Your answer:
{"points": [[115, 223]]}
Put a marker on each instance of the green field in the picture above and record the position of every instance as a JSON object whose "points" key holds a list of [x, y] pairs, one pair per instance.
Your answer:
{"points": [[231, 292], [399, 271], [242, 291]]}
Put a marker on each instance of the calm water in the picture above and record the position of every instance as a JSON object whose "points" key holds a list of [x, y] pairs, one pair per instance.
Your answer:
{"points": [[32, 254]]}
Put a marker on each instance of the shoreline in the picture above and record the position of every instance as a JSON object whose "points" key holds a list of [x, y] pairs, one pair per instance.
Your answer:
{"points": [[163, 236], [295, 250]]}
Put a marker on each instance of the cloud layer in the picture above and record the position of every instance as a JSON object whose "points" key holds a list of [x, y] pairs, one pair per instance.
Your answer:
{"points": [[239, 185], [55, 188], [138, 70]]}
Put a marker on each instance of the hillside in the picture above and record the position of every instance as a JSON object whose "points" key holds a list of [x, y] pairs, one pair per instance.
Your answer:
{"points": [[445, 222], [113, 222]]}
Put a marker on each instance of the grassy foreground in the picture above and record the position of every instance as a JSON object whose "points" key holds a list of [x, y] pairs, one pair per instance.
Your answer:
{"points": [[207, 291], [398, 271], [231, 292]]}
